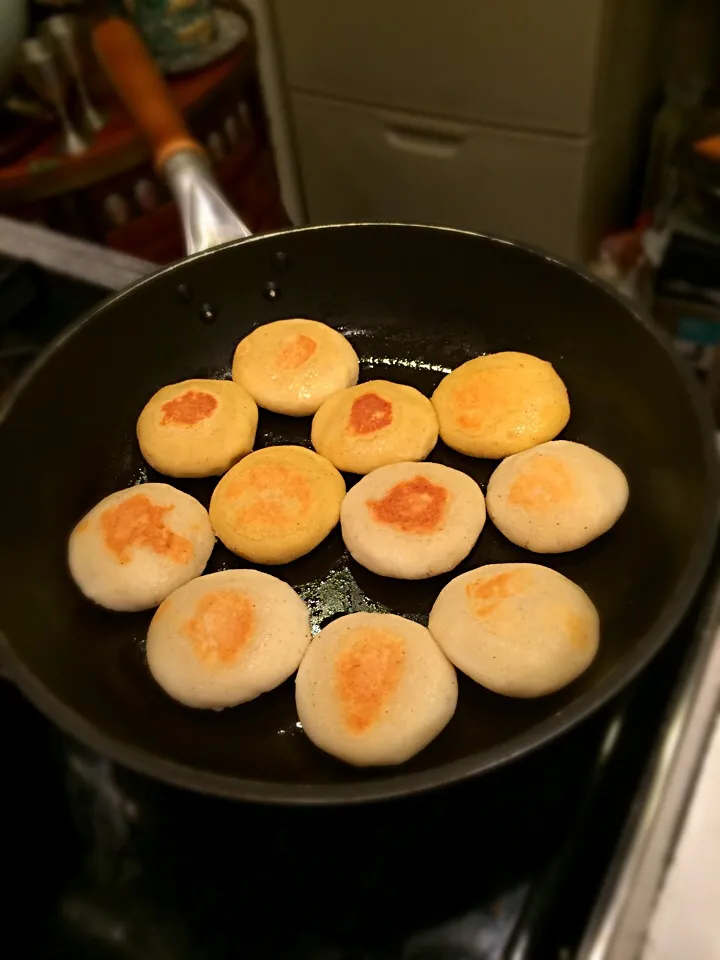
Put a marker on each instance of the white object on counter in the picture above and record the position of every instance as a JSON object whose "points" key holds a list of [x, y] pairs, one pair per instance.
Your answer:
{"points": [[649, 848], [686, 922]]}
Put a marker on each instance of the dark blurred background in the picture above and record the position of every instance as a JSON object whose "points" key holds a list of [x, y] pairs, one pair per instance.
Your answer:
{"points": [[583, 128]]}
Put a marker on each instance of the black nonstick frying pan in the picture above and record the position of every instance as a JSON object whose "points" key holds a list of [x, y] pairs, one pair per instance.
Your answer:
{"points": [[415, 302]]}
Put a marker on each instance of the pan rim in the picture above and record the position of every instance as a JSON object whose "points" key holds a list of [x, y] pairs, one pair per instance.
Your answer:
{"points": [[400, 784]]}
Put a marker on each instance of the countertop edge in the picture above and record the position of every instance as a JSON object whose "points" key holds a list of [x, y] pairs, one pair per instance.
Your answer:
{"points": [[70, 256]]}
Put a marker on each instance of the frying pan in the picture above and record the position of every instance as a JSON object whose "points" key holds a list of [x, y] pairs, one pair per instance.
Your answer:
{"points": [[415, 301]]}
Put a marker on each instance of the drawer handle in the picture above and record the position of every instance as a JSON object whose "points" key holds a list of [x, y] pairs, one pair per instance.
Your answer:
{"points": [[425, 143]]}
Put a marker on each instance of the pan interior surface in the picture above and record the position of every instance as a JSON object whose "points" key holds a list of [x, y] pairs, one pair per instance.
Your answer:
{"points": [[414, 303]]}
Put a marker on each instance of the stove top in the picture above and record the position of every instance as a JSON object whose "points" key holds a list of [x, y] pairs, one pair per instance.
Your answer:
{"points": [[105, 863], [35, 305], [109, 864]]}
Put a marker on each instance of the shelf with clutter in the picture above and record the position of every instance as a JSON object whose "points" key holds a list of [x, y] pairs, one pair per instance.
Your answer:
{"points": [[74, 160]]}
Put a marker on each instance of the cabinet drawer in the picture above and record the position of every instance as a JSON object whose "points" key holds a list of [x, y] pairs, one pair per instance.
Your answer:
{"points": [[519, 63], [363, 163]]}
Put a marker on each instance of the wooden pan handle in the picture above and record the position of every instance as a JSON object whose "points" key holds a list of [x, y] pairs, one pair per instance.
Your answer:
{"points": [[140, 86]]}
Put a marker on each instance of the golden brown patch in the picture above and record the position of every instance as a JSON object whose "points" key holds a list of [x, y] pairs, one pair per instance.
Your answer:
{"points": [[221, 627], [544, 484], [82, 526], [138, 522], [413, 506], [487, 595], [483, 399], [271, 496], [296, 352], [189, 408], [367, 673], [370, 413]]}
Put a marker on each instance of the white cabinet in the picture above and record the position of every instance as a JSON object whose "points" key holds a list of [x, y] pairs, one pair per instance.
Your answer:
{"points": [[364, 163], [515, 117], [518, 63]]}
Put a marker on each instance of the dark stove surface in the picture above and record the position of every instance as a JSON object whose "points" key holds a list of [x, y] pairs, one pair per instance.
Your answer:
{"points": [[103, 863], [35, 306], [107, 864]]}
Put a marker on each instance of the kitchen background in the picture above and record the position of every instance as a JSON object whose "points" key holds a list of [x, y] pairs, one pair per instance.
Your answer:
{"points": [[580, 128]]}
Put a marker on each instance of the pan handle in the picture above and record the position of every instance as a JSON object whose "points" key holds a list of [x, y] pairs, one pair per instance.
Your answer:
{"points": [[206, 216]]}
